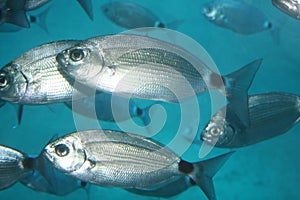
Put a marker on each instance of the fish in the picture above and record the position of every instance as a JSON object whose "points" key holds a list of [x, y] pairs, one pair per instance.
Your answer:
{"points": [[143, 67], [33, 78], [289, 7], [119, 159], [101, 103], [167, 189], [237, 16], [12, 12], [12, 166], [85, 4], [131, 15], [271, 114]]}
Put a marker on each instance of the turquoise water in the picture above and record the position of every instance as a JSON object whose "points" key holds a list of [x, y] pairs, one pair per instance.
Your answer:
{"points": [[268, 170]]}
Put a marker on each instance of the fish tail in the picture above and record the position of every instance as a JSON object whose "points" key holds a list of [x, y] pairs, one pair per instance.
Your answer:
{"points": [[237, 85], [276, 29], [18, 18], [40, 19], [204, 171], [88, 7], [12, 167]]}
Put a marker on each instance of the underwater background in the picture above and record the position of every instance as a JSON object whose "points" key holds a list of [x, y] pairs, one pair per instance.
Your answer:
{"points": [[267, 170]]}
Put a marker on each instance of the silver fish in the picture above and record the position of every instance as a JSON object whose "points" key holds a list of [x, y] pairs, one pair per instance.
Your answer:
{"points": [[271, 114], [167, 189], [12, 167], [237, 16], [85, 4], [112, 158], [101, 103], [131, 15], [144, 67], [290, 7], [12, 11], [33, 78]]}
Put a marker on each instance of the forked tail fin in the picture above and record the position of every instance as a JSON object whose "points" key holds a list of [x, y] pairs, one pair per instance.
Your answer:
{"points": [[204, 171], [237, 85]]}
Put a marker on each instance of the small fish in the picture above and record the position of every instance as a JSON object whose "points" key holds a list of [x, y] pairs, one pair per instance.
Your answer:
{"points": [[12, 11], [290, 7], [101, 103], [167, 189], [112, 158], [35, 173], [144, 67], [85, 4], [131, 15], [237, 16], [271, 114]]}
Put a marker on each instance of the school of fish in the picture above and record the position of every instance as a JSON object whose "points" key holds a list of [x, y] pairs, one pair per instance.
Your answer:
{"points": [[86, 74]]}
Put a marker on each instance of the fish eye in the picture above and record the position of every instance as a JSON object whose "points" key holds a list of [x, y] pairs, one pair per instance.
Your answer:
{"points": [[77, 55], [215, 131], [3, 81], [62, 150]]}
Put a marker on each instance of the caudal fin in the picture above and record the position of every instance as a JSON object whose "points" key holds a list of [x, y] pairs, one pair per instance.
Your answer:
{"points": [[11, 166], [88, 7], [237, 85], [40, 19], [205, 170]]}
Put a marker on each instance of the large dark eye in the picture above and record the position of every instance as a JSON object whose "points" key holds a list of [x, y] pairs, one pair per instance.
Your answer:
{"points": [[3, 81], [62, 150], [215, 131], [76, 55]]}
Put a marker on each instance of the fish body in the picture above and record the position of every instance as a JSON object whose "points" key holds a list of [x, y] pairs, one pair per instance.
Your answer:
{"points": [[33, 78], [130, 15], [101, 103], [144, 67], [168, 189], [12, 12], [236, 16], [271, 114], [290, 7], [112, 158]]}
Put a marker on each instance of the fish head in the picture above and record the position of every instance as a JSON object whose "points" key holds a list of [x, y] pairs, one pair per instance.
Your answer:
{"points": [[218, 132], [13, 83], [65, 154], [81, 62]]}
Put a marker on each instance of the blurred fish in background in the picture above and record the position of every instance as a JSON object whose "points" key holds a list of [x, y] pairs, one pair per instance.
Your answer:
{"points": [[101, 103], [131, 15], [290, 7], [237, 16], [85, 4], [13, 12], [271, 114]]}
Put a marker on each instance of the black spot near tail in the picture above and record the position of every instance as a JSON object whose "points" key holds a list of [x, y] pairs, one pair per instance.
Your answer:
{"points": [[28, 163], [185, 167]]}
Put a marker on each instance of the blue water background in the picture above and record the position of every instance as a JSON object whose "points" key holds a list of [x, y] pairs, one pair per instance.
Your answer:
{"points": [[268, 170]]}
